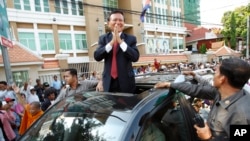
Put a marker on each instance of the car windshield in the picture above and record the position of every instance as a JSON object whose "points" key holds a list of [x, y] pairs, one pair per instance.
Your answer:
{"points": [[86, 116]]}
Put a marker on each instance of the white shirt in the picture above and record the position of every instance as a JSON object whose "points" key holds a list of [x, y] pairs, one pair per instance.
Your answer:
{"points": [[26, 92], [32, 97], [123, 46]]}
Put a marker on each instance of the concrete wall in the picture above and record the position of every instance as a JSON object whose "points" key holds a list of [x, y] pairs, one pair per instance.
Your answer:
{"points": [[32, 72]]}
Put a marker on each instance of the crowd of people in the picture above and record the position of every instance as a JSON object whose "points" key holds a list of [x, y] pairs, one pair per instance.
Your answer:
{"points": [[20, 107], [157, 66]]}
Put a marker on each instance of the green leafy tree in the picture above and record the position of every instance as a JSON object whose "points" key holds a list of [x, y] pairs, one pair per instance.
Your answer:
{"points": [[203, 49], [233, 32], [240, 16]]}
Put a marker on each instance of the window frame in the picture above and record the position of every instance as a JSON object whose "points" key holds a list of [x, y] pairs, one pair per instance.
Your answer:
{"points": [[60, 33], [40, 45], [83, 40], [109, 5], [69, 7], [24, 78], [28, 40]]}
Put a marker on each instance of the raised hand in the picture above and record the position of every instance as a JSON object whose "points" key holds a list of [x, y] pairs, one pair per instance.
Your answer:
{"points": [[162, 85], [99, 86], [16, 89], [116, 36]]}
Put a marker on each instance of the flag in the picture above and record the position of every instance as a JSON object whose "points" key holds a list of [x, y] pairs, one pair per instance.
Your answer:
{"points": [[146, 6]]}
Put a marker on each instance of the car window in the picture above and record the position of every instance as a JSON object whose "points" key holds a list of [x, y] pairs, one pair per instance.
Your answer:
{"points": [[169, 123]]}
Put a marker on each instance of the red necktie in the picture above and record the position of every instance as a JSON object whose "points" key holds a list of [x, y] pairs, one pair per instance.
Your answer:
{"points": [[114, 73]]}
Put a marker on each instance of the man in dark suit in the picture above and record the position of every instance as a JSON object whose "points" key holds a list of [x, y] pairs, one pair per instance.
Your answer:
{"points": [[118, 51]]}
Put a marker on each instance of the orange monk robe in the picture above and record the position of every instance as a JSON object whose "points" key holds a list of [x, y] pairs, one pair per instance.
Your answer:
{"points": [[28, 119]]}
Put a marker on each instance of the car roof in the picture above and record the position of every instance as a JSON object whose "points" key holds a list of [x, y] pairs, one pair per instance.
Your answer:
{"points": [[204, 71], [152, 78]]}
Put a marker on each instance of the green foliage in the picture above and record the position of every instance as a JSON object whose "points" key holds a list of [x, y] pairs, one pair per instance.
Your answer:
{"points": [[233, 32], [238, 17], [203, 49]]}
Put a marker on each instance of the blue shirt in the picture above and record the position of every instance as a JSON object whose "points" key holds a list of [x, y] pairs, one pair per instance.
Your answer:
{"points": [[56, 85]]}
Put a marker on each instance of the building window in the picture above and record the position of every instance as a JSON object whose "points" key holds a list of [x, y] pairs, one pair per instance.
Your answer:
{"points": [[158, 17], [109, 5], [181, 44], [46, 42], [65, 41], [19, 77], [26, 4], [65, 7], [149, 16], [174, 44], [164, 17], [46, 5], [38, 5], [176, 17], [17, 4], [77, 7], [57, 6], [22, 4], [42, 5], [80, 8], [27, 39], [158, 13], [177, 44], [73, 7], [176, 13], [80, 40]]}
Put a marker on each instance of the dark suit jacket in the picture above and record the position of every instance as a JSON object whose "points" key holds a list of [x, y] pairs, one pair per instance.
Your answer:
{"points": [[126, 75]]}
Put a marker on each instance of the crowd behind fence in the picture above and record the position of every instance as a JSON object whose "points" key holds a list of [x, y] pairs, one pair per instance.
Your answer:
{"points": [[82, 68]]}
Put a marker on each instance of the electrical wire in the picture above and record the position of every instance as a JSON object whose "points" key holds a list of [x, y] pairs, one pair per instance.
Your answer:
{"points": [[152, 15]]}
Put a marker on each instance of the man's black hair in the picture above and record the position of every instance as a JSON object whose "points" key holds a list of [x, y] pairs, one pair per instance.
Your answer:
{"points": [[72, 71], [3, 82], [49, 91], [115, 12], [236, 70]]}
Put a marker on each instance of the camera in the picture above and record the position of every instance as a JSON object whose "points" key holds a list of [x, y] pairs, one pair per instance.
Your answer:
{"points": [[198, 120]]}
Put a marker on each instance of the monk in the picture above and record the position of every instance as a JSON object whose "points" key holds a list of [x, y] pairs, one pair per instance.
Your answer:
{"points": [[32, 113]]}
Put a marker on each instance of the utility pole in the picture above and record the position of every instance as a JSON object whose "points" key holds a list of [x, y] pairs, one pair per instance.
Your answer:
{"points": [[5, 42], [248, 30]]}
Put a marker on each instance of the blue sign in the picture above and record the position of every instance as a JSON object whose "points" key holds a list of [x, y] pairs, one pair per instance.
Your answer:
{"points": [[4, 23]]}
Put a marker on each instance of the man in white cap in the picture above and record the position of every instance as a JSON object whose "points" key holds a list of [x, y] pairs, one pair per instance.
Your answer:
{"points": [[32, 95]]}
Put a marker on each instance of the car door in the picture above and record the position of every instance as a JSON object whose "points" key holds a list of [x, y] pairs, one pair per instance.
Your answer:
{"points": [[170, 120]]}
